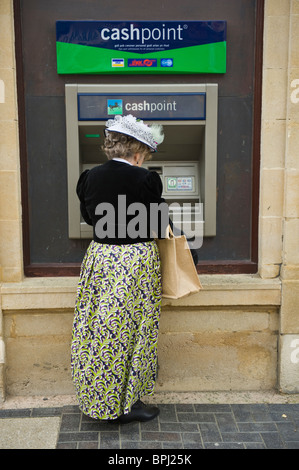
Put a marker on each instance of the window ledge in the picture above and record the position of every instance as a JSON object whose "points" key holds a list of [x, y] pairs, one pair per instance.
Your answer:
{"points": [[226, 290]]}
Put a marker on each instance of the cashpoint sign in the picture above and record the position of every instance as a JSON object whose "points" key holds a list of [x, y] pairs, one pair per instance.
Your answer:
{"points": [[164, 47], [185, 106]]}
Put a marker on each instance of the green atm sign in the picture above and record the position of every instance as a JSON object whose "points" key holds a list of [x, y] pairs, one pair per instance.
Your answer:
{"points": [[98, 47]]}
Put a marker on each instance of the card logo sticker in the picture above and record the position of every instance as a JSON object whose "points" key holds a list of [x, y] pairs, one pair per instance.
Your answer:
{"points": [[166, 62], [142, 62], [118, 62]]}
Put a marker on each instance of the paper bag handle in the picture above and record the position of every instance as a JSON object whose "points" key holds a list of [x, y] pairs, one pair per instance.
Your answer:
{"points": [[169, 232]]}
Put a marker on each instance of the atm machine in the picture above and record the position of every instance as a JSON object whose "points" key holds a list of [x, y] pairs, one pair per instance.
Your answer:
{"points": [[186, 161]]}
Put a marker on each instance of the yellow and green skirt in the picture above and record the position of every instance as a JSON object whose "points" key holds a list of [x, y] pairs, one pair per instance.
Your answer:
{"points": [[115, 329]]}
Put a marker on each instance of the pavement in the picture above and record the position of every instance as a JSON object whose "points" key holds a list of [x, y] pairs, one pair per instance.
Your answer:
{"points": [[216, 420]]}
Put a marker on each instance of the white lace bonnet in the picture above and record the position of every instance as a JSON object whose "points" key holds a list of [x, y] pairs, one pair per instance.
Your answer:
{"points": [[130, 125]]}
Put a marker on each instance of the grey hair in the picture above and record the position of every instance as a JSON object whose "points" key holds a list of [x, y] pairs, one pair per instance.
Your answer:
{"points": [[117, 145]]}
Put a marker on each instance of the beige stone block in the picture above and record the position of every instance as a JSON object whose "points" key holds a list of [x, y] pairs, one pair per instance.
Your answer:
{"points": [[241, 319], [46, 300], [8, 109], [293, 96], [2, 383], [271, 192], [277, 8], [289, 272], [217, 361], [38, 353], [40, 293], [295, 7], [14, 274], [292, 159], [273, 144], [9, 146], [269, 271], [38, 365], [274, 96], [10, 246], [289, 364], [38, 324], [291, 242], [292, 193], [227, 297], [6, 7], [276, 52], [6, 37], [294, 43], [43, 285], [289, 307], [9, 196], [270, 240]]}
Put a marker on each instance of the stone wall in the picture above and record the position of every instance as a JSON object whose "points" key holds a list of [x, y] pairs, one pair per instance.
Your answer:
{"points": [[279, 203], [223, 338], [240, 332], [289, 330]]}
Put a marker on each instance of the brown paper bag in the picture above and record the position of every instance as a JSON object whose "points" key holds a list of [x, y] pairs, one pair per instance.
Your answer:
{"points": [[179, 275]]}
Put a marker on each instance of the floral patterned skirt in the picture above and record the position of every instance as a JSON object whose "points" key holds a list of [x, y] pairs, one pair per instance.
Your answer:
{"points": [[115, 330]]}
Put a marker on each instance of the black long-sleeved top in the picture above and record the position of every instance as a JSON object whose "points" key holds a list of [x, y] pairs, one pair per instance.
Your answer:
{"points": [[99, 191]]}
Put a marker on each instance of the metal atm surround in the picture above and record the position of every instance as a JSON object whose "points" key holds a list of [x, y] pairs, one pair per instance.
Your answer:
{"points": [[190, 143]]}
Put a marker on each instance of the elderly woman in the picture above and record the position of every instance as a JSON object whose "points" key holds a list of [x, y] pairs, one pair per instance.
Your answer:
{"points": [[115, 330]]}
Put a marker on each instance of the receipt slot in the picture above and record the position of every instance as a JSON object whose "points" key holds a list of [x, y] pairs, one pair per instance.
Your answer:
{"points": [[186, 161]]}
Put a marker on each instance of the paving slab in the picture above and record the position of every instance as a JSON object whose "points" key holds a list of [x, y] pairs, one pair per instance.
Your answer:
{"points": [[29, 433], [186, 421]]}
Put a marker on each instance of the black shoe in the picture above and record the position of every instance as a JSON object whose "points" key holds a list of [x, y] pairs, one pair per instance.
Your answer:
{"points": [[139, 412]]}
